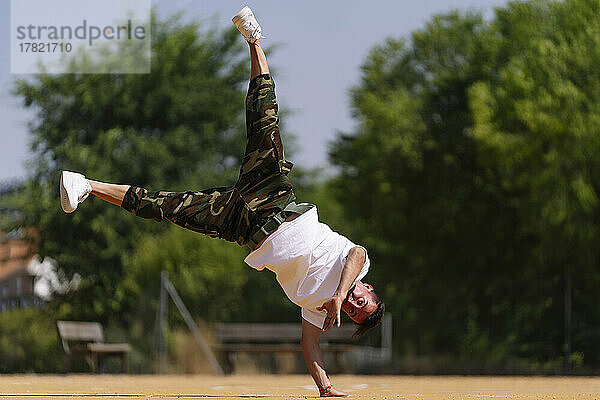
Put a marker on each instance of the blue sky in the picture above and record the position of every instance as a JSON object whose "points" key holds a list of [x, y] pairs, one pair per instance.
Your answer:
{"points": [[321, 45]]}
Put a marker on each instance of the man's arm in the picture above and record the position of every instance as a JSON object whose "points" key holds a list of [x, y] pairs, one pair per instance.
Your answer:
{"points": [[314, 360], [354, 263], [353, 266]]}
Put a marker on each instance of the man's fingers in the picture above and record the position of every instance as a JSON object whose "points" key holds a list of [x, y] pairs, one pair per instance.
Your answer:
{"points": [[330, 321], [326, 324], [333, 315]]}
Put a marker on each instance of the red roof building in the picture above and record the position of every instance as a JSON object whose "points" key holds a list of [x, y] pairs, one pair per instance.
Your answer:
{"points": [[18, 275]]}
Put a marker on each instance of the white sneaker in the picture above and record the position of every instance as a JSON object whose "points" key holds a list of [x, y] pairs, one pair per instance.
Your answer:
{"points": [[247, 25], [74, 188]]}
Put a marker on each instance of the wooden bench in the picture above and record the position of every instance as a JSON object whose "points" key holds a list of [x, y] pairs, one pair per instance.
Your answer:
{"points": [[87, 339], [278, 338]]}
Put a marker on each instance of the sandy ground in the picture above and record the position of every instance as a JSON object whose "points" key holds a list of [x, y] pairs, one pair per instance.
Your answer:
{"points": [[102, 387]]}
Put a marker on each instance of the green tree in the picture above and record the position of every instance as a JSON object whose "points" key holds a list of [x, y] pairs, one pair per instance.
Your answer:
{"points": [[470, 178], [35, 348], [537, 122], [421, 201], [180, 126]]}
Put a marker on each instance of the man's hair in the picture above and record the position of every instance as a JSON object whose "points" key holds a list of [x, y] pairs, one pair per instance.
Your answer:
{"points": [[372, 320]]}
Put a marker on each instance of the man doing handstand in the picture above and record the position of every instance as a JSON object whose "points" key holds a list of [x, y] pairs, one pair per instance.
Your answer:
{"points": [[319, 269]]}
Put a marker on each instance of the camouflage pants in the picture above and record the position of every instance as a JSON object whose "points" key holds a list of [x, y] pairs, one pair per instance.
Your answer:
{"points": [[262, 189]]}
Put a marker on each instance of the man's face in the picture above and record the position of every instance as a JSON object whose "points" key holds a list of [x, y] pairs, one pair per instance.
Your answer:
{"points": [[359, 303]]}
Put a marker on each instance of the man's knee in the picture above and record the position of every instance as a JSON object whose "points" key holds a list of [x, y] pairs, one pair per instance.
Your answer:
{"points": [[144, 204], [261, 92]]}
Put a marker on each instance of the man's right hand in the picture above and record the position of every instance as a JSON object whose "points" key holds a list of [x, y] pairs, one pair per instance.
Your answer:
{"points": [[333, 307]]}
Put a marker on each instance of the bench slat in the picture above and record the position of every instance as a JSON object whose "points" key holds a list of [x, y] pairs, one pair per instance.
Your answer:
{"points": [[82, 331], [109, 347]]}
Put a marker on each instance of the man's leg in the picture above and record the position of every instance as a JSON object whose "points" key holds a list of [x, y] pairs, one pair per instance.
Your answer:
{"points": [[210, 212], [110, 192], [222, 212], [263, 181], [139, 201], [258, 60]]}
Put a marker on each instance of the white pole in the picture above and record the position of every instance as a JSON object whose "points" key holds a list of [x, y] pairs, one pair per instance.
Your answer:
{"points": [[192, 325], [163, 323]]}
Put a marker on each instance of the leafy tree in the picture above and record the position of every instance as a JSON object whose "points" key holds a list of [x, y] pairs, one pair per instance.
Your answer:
{"points": [[420, 203], [537, 123], [178, 127], [470, 178], [34, 349]]}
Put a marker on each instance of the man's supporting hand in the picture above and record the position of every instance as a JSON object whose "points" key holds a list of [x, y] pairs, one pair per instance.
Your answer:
{"points": [[314, 360], [330, 391], [333, 306]]}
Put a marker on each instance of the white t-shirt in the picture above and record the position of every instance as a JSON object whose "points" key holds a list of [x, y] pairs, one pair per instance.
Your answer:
{"points": [[307, 257]]}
